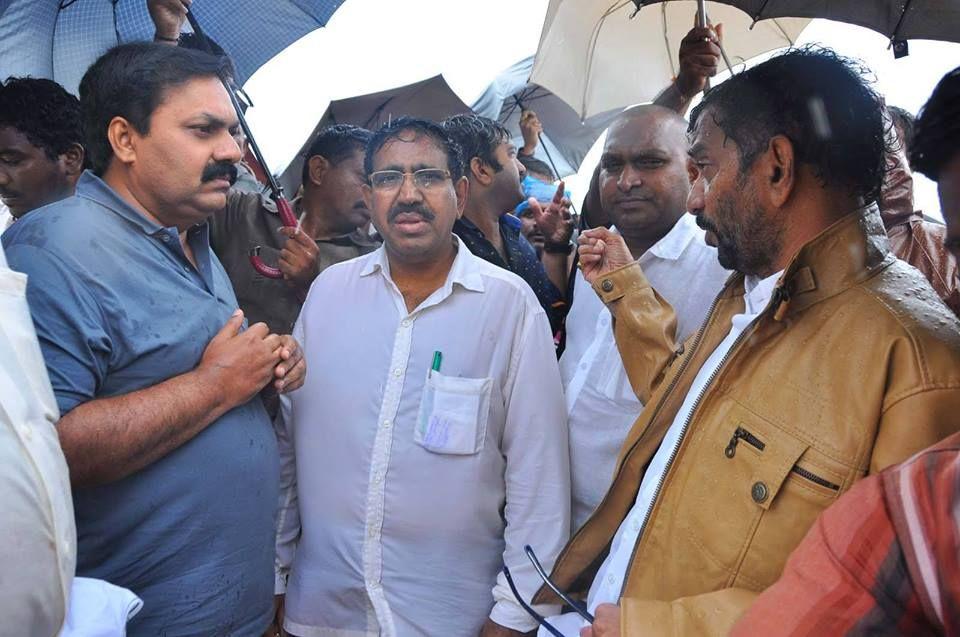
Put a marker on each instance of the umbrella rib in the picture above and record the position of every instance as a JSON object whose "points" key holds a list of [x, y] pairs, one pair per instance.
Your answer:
{"points": [[783, 31], [594, 37], [666, 38]]}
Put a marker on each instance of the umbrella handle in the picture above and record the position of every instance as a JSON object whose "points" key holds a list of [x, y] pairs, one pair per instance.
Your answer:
{"points": [[289, 220]]}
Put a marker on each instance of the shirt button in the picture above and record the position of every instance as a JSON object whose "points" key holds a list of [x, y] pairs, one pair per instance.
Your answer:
{"points": [[405, 322], [611, 578], [636, 524], [386, 424], [372, 532], [397, 372], [165, 238], [583, 365], [607, 285], [26, 433], [66, 547], [759, 492]]}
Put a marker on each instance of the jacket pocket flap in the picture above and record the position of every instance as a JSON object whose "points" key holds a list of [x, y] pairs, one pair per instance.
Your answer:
{"points": [[779, 456]]}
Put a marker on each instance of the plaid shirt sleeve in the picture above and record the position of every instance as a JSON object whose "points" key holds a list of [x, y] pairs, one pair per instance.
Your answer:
{"points": [[884, 559]]}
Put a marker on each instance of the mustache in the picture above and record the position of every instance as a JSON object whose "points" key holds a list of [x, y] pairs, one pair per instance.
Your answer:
{"points": [[219, 170], [408, 208], [704, 224]]}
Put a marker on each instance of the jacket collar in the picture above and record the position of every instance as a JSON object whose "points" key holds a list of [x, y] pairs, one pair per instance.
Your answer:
{"points": [[845, 254]]}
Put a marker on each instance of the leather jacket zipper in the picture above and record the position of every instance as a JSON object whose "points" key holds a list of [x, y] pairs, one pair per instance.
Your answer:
{"points": [[686, 423], [746, 436], [759, 445], [823, 482]]}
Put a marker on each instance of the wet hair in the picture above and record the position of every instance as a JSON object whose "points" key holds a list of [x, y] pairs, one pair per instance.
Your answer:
{"points": [[821, 102], [478, 136], [193, 42], [43, 111], [336, 143], [424, 127], [131, 81], [936, 139], [904, 122], [534, 165]]}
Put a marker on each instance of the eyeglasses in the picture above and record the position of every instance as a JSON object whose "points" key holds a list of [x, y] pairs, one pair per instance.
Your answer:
{"points": [[425, 179], [575, 605]]}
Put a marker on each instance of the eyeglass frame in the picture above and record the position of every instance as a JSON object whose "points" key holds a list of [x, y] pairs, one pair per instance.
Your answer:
{"points": [[413, 176], [541, 620]]}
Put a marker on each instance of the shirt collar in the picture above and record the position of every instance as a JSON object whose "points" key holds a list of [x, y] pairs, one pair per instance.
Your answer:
{"points": [[464, 271], [757, 292], [672, 245], [91, 187]]}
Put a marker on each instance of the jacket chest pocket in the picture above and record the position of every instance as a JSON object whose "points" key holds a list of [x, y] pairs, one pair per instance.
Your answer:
{"points": [[453, 414], [763, 489]]}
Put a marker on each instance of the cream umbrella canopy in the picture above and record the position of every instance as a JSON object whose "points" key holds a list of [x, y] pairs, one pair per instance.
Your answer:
{"points": [[599, 55]]}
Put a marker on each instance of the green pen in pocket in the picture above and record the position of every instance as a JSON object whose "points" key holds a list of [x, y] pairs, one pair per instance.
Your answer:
{"points": [[437, 359]]}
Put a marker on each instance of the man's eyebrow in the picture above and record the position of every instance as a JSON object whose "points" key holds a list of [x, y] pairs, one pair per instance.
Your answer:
{"points": [[212, 120], [403, 169], [697, 149]]}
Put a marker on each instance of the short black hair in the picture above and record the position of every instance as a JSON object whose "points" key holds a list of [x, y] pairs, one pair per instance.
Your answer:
{"points": [[478, 136], [43, 111], [819, 100], [336, 143], [130, 81], [534, 165], [904, 121], [936, 139], [424, 127]]}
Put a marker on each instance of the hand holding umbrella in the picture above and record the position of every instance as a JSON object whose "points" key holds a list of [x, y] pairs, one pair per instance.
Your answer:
{"points": [[530, 128], [168, 16]]}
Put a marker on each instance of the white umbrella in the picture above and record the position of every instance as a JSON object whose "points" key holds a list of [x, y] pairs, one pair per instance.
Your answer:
{"points": [[598, 55]]}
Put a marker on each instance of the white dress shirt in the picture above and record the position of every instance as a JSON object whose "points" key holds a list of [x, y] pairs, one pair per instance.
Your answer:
{"points": [[6, 219], [38, 547], [601, 405], [609, 581], [409, 488]]}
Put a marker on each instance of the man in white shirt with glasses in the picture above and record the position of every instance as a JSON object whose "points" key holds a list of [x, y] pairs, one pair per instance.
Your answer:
{"points": [[429, 443]]}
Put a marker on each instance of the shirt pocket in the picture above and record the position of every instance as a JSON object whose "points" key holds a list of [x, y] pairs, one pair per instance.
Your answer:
{"points": [[453, 414]]}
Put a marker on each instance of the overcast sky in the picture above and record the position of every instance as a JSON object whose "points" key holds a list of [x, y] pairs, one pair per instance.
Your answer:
{"points": [[370, 45]]}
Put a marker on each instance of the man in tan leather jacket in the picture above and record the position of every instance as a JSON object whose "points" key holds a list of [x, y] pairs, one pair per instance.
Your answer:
{"points": [[823, 359]]}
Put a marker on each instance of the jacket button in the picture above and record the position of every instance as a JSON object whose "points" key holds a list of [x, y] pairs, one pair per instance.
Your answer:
{"points": [[607, 285], [759, 492]]}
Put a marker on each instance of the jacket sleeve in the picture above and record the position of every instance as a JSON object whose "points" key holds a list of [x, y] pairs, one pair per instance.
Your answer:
{"points": [[700, 615], [645, 326], [914, 422]]}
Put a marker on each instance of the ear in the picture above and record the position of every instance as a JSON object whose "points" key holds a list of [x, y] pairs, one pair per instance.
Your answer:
{"points": [[122, 137], [73, 160], [318, 169], [780, 170], [462, 188], [481, 172]]}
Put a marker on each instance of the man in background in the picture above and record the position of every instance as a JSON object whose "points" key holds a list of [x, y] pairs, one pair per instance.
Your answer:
{"points": [[41, 149]]}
